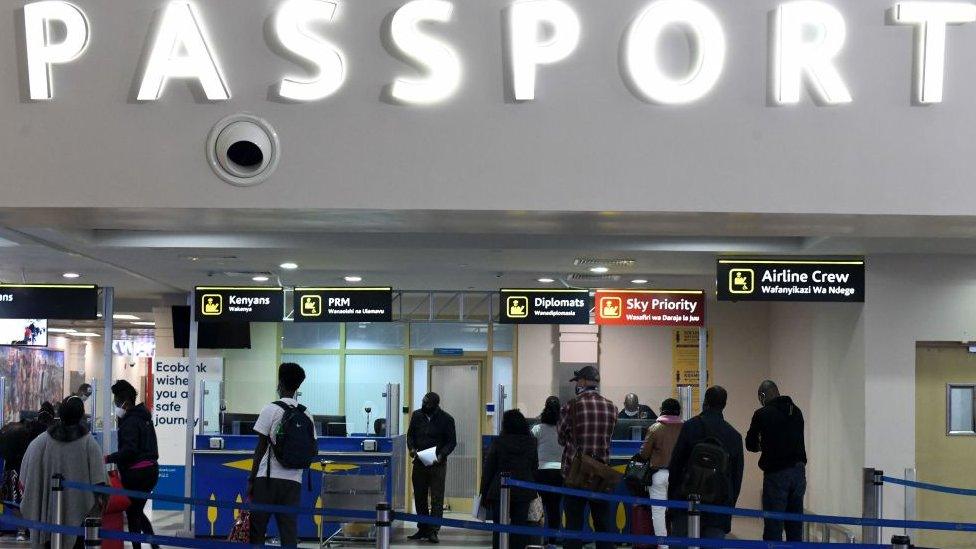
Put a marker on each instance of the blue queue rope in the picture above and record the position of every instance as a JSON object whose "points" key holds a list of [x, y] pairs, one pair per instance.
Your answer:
{"points": [[751, 513], [621, 538], [220, 504], [930, 487]]}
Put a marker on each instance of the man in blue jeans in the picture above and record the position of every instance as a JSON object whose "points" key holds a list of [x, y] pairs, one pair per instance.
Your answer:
{"points": [[777, 432]]}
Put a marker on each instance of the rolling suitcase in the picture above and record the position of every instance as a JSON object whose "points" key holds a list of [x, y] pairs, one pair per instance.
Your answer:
{"points": [[641, 524]]}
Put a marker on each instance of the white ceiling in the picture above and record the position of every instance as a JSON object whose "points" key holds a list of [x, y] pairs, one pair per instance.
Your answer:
{"points": [[148, 255]]}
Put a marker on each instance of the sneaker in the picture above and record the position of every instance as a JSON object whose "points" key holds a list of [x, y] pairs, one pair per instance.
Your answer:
{"points": [[433, 538], [22, 536]]}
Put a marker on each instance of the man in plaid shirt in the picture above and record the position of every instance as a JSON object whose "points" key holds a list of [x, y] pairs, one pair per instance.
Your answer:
{"points": [[586, 425]]}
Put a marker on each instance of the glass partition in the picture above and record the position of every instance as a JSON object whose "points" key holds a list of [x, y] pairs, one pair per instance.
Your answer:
{"points": [[470, 337], [299, 335], [376, 336], [366, 379], [211, 406], [320, 392]]}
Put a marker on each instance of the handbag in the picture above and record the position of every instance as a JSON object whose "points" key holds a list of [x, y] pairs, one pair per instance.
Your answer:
{"points": [[639, 473], [589, 473], [241, 531], [537, 513]]}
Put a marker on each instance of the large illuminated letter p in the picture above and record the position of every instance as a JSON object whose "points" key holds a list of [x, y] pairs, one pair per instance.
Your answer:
{"points": [[42, 51], [527, 18], [809, 34]]}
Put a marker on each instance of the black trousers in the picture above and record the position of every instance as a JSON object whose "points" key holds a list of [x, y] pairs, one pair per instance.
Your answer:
{"points": [[275, 491], [600, 512], [552, 503], [140, 480], [428, 485], [519, 513]]}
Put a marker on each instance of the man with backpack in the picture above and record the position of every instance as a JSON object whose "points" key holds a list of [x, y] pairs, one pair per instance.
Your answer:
{"points": [[777, 432], [286, 448], [707, 463]]}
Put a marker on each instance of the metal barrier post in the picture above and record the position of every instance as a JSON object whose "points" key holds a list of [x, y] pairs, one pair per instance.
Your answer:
{"points": [[901, 542], [685, 395], [504, 510], [871, 504], [92, 537], [910, 475], [57, 500], [694, 519], [383, 524]]}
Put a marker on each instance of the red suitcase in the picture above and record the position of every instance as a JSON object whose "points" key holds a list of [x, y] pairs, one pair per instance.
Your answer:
{"points": [[641, 524]]}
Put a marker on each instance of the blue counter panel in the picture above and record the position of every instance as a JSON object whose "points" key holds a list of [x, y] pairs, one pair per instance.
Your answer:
{"points": [[222, 475]]}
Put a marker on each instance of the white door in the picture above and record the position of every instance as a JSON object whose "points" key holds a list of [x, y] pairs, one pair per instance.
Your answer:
{"points": [[458, 385]]}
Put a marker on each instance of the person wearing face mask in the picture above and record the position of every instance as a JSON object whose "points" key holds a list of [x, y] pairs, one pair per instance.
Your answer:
{"points": [[430, 427], [137, 456], [633, 409], [586, 426]]}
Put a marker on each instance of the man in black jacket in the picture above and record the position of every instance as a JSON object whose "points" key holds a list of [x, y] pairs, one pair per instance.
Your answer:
{"points": [[777, 431], [710, 423], [430, 427]]}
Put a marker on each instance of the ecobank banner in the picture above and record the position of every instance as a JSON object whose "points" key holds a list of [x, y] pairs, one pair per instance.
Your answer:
{"points": [[170, 394], [775, 279]]}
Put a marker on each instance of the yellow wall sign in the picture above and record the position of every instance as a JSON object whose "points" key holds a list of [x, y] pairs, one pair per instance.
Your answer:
{"points": [[684, 362]]}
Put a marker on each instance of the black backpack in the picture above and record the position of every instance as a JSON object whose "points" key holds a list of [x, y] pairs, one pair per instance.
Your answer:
{"points": [[707, 475], [294, 443]]}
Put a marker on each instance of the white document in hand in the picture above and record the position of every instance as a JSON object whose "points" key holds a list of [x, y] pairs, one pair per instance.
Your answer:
{"points": [[428, 456]]}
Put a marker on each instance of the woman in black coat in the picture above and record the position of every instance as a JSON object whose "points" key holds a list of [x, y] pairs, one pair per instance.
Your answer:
{"points": [[513, 452]]}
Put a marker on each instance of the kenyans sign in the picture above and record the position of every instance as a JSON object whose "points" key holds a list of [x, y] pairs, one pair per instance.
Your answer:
{"points": [[244, 304], [545, 306], [343, 304], [55, 301], [650, 307], [791, 280]]}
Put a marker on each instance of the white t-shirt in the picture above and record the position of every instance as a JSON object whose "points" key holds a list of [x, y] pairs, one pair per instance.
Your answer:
{"points": [[266, 424]]}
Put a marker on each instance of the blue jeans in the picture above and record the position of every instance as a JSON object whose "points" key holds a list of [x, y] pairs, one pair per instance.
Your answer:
{"points": [[783, 492]]}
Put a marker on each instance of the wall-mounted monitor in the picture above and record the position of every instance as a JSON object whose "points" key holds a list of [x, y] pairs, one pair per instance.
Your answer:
{"points": [[30, 332]]}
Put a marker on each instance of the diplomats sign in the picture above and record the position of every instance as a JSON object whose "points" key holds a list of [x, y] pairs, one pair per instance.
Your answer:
{"points": [[650, 307], [545, 306], [817, 280], [55, 301], [244, 304], [343, 304]]}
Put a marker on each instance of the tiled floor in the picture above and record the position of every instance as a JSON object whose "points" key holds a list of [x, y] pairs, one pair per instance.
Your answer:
{"points": [[170, 524]]}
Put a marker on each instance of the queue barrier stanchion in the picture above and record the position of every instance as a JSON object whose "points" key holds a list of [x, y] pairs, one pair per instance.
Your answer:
{"points": [[384, 523], [504, 510], [57, 500], [901, 542], [872, 506], [694, 518], [92, 537]]}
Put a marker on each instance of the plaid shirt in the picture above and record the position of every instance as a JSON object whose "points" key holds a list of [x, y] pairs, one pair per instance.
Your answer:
{"points": [[586, 425]]}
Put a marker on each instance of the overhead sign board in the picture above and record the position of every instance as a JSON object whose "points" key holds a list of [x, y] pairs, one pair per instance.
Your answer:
{"points": [[52, 301], [239, 304], [650, 308], [545, 306], [343, 304], [816, 280]]}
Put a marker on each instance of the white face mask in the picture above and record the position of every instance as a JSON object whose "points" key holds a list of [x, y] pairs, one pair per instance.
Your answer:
{"points": [[119, 412]]}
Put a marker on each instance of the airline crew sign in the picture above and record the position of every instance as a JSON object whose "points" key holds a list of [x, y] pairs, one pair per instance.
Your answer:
{"points": [[816, 280], [650, 308]]}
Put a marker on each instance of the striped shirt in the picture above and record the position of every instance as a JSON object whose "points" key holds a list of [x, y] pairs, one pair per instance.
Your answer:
{"points": [[586, 425]]}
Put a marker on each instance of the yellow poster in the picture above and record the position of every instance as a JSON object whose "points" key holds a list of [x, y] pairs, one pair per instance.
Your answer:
{"points": [[684, 362]]}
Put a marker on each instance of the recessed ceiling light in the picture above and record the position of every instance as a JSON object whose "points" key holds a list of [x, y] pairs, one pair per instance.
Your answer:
{"points": [[354, 278], [546, 280], [289, 266], [599, 270], [125, 317], [86, 334], [260, 278], [71, 275], [638, 281], [61, 330], [144, 323]]}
